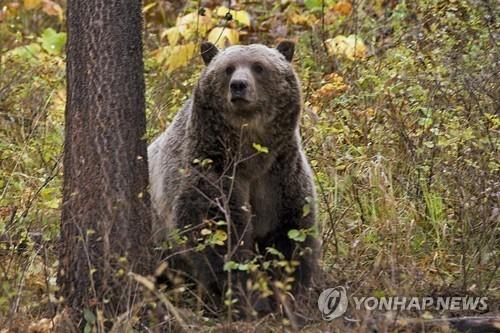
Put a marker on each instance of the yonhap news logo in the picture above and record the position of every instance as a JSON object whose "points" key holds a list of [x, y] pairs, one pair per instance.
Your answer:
{"points": [[333, 303]]}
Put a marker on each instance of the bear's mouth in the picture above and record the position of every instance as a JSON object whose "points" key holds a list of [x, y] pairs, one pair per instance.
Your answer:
{"points": [[239, 100]]}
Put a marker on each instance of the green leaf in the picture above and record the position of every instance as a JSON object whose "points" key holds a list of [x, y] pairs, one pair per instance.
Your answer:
{"points": [[53, 42], [89, 316], [312, 4], [297, 235], [426, 122], [219, 237], [243, 267], [273, 251], [88, 328], [259, 148], [230, 265], [26, 52], [306, 209]]}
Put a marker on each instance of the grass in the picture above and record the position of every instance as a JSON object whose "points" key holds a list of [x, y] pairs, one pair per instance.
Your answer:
{"points": [[403, 143]]}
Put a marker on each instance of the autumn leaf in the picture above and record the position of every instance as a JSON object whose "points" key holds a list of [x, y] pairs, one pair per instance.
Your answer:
{"points": [[174, 56], [369, 112], [333, 87], [221, 11], [240, 16], [343, 8], [302, 19], [352, 47], [187, 19], [184, 24], [328, 90], [179, 56], [53, 9], [32, 4], [220, 36], [357, 45], [337, 81], [172, 34], [190, 24]]}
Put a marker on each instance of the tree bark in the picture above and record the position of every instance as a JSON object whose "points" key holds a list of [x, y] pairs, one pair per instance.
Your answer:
{"points": [[105, 227]]}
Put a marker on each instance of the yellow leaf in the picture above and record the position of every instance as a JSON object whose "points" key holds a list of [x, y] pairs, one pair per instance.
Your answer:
{"points": [[147, 7], [369, 112], [187, 19], [303, 19], [240, 16], [172, 34], [191, 23], [32, 4], [219, 36], [179, 56], [351, 47], [221, 11], [333, 87], [337, 45], [357, 47], [184, 24], [327, 90]]}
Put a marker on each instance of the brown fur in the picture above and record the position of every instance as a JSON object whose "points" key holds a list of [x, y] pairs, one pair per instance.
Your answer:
{"points": [[261, 195]]}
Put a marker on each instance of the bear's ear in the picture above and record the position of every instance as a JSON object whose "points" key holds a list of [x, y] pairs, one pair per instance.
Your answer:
{"points": [[208, 52], [286, 48]]}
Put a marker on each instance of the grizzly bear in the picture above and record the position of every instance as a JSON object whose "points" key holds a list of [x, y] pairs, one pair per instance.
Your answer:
{"points": [[232, 160]]}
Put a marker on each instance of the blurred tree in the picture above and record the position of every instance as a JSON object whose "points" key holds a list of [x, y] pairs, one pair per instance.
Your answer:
{"points": [[105, 216]]}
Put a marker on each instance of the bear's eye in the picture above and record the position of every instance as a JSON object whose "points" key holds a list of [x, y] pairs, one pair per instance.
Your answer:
{"points": [[229, 69], [257, 67]]}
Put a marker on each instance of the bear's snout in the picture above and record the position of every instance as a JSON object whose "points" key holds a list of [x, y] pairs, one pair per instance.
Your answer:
{"points": [[241, 91], [238, 87]]}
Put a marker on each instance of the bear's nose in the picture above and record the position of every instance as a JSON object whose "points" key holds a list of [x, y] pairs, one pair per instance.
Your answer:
{"points": [[238, 86]]}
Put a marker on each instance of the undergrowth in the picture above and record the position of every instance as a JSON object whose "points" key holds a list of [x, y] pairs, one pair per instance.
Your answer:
{"points": [[400, 124]]}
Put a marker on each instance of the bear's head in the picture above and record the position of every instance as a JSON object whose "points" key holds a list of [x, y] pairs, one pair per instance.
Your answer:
{"points": [[249, 84]]}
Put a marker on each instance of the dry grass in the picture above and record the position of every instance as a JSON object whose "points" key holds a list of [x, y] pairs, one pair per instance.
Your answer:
{"points": [[404, 150]]}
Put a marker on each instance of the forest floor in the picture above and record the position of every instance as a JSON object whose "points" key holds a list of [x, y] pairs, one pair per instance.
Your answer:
{"points": [[400, 124]]}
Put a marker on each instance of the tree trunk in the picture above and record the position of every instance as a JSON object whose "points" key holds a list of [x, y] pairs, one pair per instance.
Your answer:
{"points": [[105, 226]]}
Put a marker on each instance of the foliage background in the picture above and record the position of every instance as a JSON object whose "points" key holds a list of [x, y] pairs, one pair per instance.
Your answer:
{"points": [[400, 124]]}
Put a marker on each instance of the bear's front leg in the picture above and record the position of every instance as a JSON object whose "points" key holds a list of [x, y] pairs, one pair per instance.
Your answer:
{"points": [[297, 211], [215, 216], [306, 251]]}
